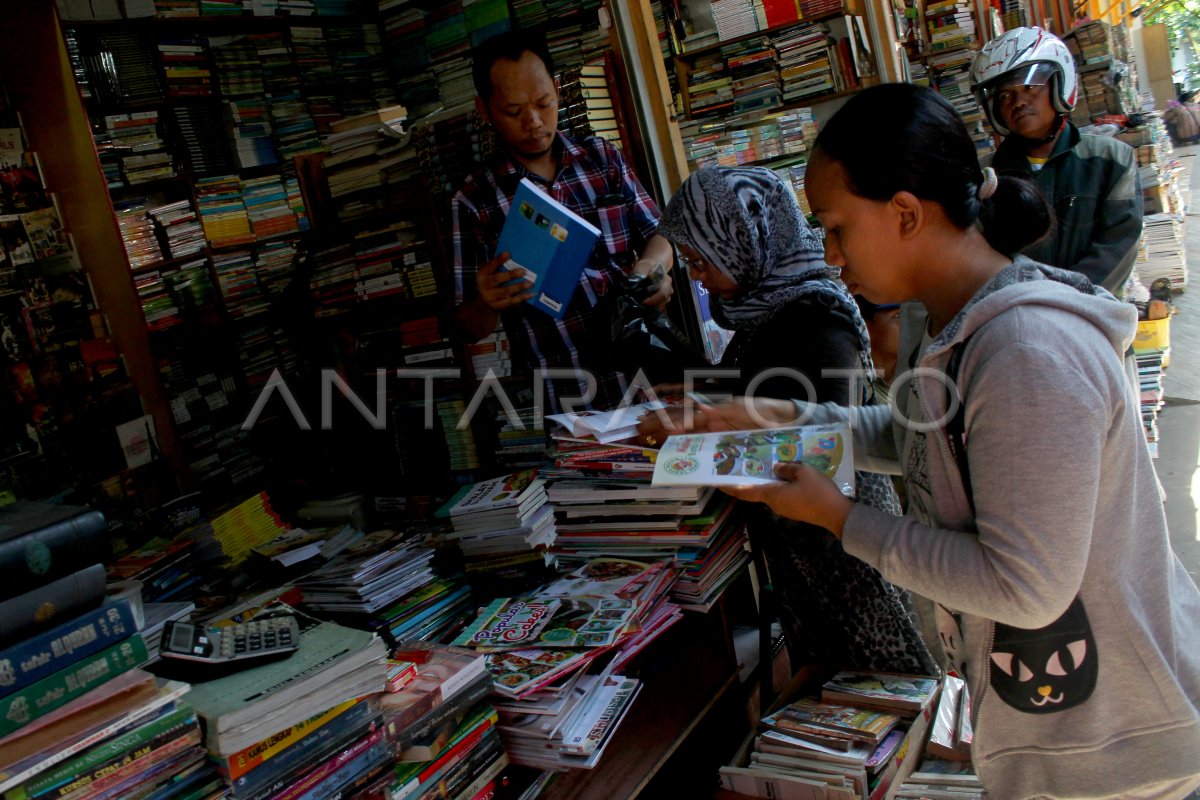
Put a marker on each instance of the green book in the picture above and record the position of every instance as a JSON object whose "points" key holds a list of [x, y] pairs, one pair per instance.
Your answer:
{"points": [[100, 755], [39, 699]]}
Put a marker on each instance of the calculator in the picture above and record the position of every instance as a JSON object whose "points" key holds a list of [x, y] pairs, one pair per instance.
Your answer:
{"points": [[267, 637]]}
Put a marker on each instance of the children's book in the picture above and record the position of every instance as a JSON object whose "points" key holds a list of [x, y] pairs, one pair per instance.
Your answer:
{"points": [[741, 458], [550, 242]]}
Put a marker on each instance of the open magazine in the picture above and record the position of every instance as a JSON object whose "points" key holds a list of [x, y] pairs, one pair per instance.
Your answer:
{"points": [[741, 458]]}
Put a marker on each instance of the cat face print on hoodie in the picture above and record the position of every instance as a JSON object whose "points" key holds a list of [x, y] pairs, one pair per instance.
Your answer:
{"points": [[1049, 669]]}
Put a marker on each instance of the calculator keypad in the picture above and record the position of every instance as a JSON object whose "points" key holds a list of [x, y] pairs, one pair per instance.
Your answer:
{"points": [[244, 640]]}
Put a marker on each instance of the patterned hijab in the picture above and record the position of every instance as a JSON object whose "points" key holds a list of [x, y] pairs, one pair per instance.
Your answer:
{"points": [[745, 221]]}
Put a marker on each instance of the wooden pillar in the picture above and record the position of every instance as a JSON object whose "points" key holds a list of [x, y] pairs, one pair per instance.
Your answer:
{"points": [[40, 83]]}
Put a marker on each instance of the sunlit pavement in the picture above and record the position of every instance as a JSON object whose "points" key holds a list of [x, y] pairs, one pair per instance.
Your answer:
{"points": [[1179, 421]]}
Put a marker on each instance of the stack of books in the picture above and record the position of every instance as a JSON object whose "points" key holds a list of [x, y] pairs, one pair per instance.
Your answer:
{"points": [[807, 65], [710, 87], [756, 83], [441, 722], [242, 296], [736, 18], [850, 742], [1161, 251], [129, 736], [132, 150], [178, 224], [449, 146], [330, 675], [74, 710], [424, 346], [939, 779], [950, 72], [951, 25], [223, 211], [267, 207], [137, 234], [587, 106], [204, 138], [187, 67], [501, 523], [250, 131], [386, 583], [163, 567]]}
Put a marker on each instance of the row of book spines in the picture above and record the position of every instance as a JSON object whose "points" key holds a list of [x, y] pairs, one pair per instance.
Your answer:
{"points": [[33, 659], [47, 694], [105, 758]]}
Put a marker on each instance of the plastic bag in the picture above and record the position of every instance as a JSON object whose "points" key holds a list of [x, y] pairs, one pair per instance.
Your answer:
{"points": [[634, 336]]}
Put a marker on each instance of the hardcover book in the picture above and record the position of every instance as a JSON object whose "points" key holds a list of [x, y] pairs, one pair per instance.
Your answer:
{"points": [[43, 541], [550, 242], [740, 458], [33, 659]]}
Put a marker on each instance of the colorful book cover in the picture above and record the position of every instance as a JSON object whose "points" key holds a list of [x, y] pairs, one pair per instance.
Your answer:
{"points": [[550, 242], [739, 458], [508, 491], [508, 623], [901, 692]]}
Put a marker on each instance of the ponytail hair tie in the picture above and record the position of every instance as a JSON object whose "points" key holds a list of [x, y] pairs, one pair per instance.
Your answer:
{"points": [[990, 182]]}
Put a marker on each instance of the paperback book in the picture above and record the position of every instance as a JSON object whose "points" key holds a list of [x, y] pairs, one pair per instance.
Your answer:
{"points": [[741, 458], [550, 242]]}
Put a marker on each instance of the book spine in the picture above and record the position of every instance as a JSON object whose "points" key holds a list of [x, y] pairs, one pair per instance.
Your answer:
{"points": [[32, 765], [455, 706], [275, 775], [139, 766], [462, 773], [485, 780], [65, 685], [318, 775], [434, 770], [428, 747], [34, 659], [59, 549], [58, 600], [238, 764], [360, 784], [104, 761], [349, 772]]}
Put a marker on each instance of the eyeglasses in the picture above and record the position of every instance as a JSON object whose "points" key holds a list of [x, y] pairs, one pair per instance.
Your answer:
{"points": [[692, 264]]}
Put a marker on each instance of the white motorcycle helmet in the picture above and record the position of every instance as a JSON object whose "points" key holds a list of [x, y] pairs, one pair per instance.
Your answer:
{"points": [[1023, 56]]}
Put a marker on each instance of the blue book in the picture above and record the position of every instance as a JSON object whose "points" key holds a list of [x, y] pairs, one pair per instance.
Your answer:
{"points": [[42, 655], [551, 242]]}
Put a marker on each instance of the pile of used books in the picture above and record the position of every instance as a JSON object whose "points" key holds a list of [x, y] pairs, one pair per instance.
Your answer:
{"points": [[77, 716], [848, 743], [555, 657], [503, 527]]}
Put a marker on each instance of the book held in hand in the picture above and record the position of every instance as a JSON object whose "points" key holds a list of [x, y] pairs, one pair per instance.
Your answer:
{"points": [[550, 242], [742, 458]]}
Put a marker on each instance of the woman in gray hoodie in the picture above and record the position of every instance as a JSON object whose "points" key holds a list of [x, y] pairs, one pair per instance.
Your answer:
{"points": [[1034, 522]]}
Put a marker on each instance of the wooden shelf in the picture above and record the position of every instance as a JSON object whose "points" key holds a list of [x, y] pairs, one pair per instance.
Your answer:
{"points": [[699, 51], [130, 190], [168, 262], [238, 23], [814, 100]]}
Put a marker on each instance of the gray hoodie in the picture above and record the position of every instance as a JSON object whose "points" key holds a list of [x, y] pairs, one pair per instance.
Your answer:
{"points": [[1079, 627]]}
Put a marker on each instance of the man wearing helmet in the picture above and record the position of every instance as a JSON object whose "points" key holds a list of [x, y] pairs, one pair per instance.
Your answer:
{"points": [[1026, 84]]}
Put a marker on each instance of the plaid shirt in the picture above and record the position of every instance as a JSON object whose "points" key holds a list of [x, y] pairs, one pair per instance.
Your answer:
{"points": [[594, 181]]}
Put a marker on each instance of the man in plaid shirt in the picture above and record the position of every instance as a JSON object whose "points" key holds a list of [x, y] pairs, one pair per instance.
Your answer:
{"points": [[518, 96]]}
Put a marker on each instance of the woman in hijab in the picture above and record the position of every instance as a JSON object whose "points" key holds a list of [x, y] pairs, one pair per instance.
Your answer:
{"points": [[741, 234]]}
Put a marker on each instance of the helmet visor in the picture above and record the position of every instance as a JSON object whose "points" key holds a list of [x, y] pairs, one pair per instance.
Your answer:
{"points": [[1031, 76]]}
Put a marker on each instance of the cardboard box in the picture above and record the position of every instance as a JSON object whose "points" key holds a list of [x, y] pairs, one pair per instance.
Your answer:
{"points": [[906, 758]]}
